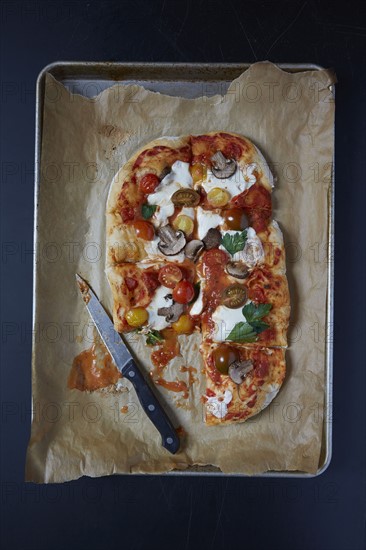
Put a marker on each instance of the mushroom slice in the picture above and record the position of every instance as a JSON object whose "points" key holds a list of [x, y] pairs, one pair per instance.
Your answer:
{"points": [[212, 239], [239, 270], [165, 171], [171, 313], [222, 167], [193, 249], [239, 370], [171, 242]]}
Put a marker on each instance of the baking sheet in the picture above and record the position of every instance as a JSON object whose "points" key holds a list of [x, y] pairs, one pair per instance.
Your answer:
{"points": [[77, 144]]}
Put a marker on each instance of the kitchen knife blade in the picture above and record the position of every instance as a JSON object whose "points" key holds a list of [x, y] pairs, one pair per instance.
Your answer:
{"points": [[127, 366]]}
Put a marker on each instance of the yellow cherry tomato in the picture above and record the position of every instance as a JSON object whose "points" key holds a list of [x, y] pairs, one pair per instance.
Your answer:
{"points": [[184, 325], [198, 172], [184, 223], [137, 316], [218, 197]]}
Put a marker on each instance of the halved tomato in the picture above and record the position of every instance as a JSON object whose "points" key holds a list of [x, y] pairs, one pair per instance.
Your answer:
{"points": [[170, 275]]}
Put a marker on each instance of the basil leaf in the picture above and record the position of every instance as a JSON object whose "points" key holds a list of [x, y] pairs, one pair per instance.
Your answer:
{"points": [[254, 313], [259, 326], [234, 243], [147, 210], [242, 332], [154, 337]]}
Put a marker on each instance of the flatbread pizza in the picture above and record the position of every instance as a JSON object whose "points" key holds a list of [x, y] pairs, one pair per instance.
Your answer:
{"points": [[192, 247]]}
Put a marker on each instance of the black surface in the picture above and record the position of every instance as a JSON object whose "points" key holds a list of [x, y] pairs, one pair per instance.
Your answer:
{"points": [[154, 512]]}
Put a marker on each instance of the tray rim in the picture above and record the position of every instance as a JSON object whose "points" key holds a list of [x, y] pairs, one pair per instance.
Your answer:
{"points": [[289, 67]]}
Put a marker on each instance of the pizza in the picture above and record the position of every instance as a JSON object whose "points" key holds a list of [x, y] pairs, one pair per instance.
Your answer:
{"points": [[192, 247]]}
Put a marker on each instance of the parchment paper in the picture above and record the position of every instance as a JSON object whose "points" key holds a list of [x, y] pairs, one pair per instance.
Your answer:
{"points": [[290, 118]]}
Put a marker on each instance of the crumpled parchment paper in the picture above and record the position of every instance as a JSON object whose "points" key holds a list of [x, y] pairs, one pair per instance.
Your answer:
{"points": [[290, 117]]}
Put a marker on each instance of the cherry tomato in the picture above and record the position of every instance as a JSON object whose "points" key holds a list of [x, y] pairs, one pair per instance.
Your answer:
{"points": [[223, 356], [215, 256], [184, 325], [144, 230], [137, 316], [148, 183], [218, 197], [183, 292], [235, 218], [170, 275]]}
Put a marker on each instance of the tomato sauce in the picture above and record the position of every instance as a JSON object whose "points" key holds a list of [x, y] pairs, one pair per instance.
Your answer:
{"points": [[168, 349], [90, 371], [176, 386]]}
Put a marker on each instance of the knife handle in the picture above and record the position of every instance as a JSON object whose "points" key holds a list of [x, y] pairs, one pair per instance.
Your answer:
{"points": [[152, 407]]}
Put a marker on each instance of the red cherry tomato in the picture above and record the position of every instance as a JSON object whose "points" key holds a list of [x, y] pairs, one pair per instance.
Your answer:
{"points": [[215, 256], [148, 183], [183, 292], [170, 275], [144, 230]]}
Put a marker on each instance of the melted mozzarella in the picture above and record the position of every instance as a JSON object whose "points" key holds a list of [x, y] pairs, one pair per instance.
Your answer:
{"points": [[242, 179], [197, 307], [225, 320], [187, 212], [252, 253], [156, 321], [178, 177], [151, 249], [207, 220], [218, 405]]}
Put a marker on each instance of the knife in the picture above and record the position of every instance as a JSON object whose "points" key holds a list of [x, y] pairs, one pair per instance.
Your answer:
{"points": [[127, 366]]}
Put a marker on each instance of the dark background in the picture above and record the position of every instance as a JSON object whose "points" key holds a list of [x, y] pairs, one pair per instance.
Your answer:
{"points": [[155, 512]]}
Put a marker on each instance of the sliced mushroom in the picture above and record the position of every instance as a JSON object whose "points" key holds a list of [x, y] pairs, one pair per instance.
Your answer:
{"points": [[165, 172], [221, 166], [239, 370], [212, 239], [171, 313], [193, 249], [171, 241], [239, 270]]}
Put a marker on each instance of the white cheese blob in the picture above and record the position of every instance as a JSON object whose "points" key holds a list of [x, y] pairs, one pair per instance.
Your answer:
{"points": [[242, 179], [218, 405], [197, 307], [152, 250], [207, 220], [187, 211], [156, 321], [252, 253], [178, 177], [225, 319]]}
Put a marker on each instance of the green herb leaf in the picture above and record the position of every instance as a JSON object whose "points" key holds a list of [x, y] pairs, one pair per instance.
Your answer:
{"points": [[259, 326], [234, 243], [242, 332], [254, 313], [154, 337], [147, 210]]}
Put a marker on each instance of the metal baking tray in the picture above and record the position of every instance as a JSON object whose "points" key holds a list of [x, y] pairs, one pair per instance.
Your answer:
{"points": [[188, 80]]}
